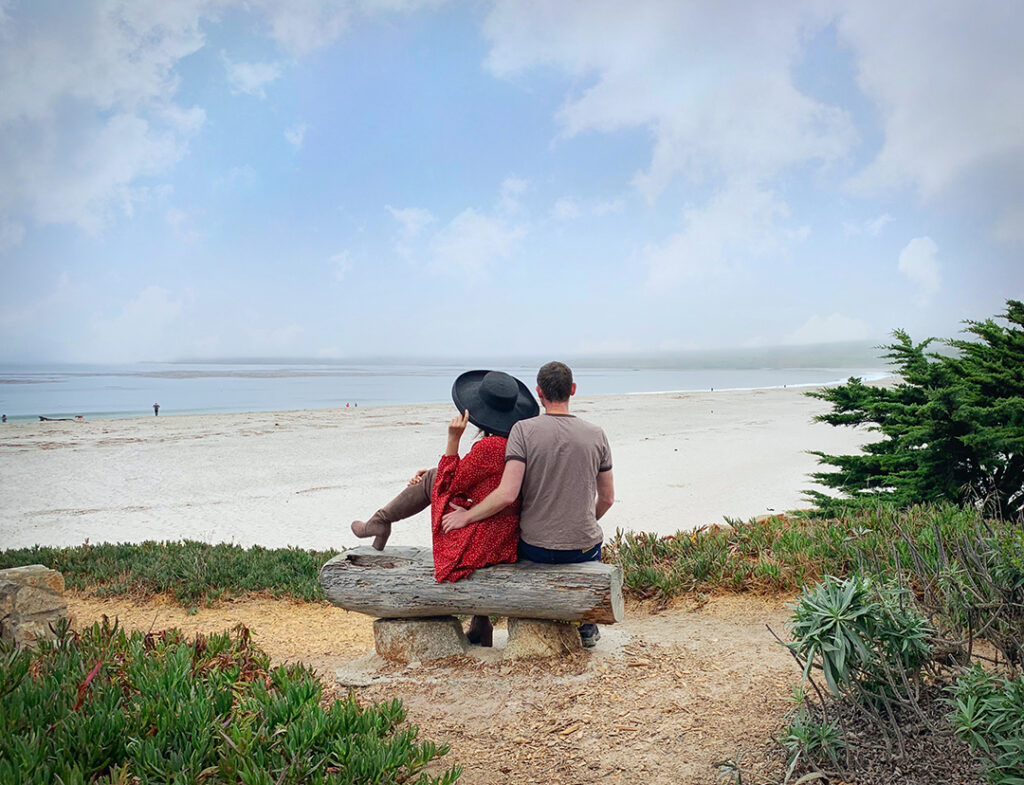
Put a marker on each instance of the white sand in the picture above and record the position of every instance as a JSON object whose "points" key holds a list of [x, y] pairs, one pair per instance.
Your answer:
{"points": [[299, 478]]}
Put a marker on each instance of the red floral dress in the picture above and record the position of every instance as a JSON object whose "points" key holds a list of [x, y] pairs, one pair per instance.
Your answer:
{"points": [[466, 482]]}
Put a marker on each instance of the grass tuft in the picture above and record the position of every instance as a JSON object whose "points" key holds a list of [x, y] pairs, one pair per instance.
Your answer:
{"points": [[194, 573], [783, 553]]}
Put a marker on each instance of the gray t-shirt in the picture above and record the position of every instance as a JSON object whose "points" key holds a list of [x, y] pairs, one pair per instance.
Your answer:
{"points": [[563, 455]]}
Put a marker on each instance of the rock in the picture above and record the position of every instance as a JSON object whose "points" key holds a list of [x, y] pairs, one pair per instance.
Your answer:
{"points": [[31, 601], [352, 678], [35, 575], [28, 632], [409, 640], [541, 638], [8, 589]]}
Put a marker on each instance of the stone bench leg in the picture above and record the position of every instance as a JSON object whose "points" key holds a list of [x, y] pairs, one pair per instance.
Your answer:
{"points": [[541, 638], [415, 640], [31, 599]]}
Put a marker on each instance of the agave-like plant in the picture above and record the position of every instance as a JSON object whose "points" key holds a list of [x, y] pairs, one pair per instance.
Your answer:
{"points": [[859, 632]]}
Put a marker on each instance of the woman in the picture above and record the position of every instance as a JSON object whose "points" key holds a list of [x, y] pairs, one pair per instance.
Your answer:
{"points": [[494, 402]]}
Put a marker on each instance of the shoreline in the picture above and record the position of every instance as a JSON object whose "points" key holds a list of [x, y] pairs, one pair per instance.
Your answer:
{"points": [[681, 460], [879, 377]]}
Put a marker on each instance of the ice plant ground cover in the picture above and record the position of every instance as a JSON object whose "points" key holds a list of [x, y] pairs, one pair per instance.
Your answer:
{"points": [[104, 706]]}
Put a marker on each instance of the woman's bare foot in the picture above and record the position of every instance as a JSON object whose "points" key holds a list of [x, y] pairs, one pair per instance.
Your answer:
{"points": [[379, 531]]}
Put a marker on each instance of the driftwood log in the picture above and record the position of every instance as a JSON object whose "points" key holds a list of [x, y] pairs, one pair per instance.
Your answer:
{"points": [[398, 583]]}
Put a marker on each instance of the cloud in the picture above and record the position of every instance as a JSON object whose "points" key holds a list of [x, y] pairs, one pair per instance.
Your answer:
{"points": [[472, 242], [86, 185], [243, 175], [1009, 227], [303, 26], [829, 329], [412, 219], [91, 98], [175, 218], [250, 78], [11, 233], [342, 264], [738, 224], [712, 84], [89, 106], [284, 339], [918, 263], [511, 189], [566, 209], [871, 228], [148, 326], [180, 221], [296, 134], [609, 207], [58, 296], [945, 81]]}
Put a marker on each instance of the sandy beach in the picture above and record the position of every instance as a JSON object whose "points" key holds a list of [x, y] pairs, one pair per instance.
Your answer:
{"points": [[298, 478]]}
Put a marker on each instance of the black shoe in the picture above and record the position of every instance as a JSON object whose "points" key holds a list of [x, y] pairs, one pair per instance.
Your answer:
{"points": [[590, 635]]}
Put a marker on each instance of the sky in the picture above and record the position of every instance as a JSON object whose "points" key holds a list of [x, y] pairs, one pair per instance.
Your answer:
{"points": [[305, 178]]}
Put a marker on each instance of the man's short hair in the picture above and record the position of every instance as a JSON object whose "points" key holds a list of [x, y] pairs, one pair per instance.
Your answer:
{"points": [[555, 381]]}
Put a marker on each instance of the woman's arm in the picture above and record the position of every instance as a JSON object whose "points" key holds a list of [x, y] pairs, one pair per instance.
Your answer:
{"points": [[456, 428], [449, 462]]}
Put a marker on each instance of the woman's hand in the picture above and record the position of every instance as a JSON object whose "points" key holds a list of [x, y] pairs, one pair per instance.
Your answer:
{"points": [[418, 477], [456, 428], [458, 424]]}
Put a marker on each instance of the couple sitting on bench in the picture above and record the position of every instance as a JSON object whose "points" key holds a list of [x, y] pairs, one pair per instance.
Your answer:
{"points": [[532, 488]]}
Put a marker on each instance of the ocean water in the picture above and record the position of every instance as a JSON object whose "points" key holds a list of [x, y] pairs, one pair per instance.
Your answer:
{"points": [[27, 392]]}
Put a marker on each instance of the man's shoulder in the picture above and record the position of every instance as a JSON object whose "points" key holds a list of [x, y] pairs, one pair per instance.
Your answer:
{"points": [[557, 423], [585, 426]]}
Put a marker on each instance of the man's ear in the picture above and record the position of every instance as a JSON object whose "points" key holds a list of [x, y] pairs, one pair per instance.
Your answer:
{"points": [[572, 389]]}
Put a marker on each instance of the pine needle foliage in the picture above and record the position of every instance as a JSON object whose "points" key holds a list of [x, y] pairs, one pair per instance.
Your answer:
{"points": [[952, 428]]}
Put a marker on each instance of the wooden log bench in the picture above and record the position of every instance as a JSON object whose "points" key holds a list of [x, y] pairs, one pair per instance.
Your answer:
{"points": [[415, 615]]}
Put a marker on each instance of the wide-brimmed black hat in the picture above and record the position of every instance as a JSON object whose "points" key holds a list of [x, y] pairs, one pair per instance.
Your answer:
{"points": [[496, 401]]}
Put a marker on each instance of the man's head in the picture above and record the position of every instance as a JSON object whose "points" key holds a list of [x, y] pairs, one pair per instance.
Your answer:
{"points": [[554, 382]]}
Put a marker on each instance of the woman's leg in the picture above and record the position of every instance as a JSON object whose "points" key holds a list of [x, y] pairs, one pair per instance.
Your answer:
{"points": [[414, 499]]}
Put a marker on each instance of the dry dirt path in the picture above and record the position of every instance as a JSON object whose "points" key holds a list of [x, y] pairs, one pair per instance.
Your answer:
{"points": [[661, 699]]}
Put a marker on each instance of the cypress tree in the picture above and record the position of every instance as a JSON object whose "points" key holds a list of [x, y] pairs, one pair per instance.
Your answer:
{"points": [[952, 427]]}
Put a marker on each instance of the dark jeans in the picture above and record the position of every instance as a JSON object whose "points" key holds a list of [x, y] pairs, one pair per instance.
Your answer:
{"points": [[532, 553], [529, 552]]}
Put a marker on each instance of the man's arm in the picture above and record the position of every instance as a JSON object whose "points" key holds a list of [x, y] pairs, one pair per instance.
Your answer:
{"points": [[605, 492], [496, 501]]}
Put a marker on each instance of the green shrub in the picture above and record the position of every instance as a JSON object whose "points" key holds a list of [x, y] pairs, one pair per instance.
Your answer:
{"points": [[865, 637], [103, 707], [819, 741], [788, 552], [193, 572], [988, 713], [952, 428]]}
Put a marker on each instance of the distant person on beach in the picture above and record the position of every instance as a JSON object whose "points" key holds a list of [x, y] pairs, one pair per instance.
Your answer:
{"points": [[562, 467], [494, 402], [4, 418], [156, 410]]}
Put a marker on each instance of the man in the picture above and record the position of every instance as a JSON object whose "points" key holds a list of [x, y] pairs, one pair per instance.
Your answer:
{"points": [[562, 466]]}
